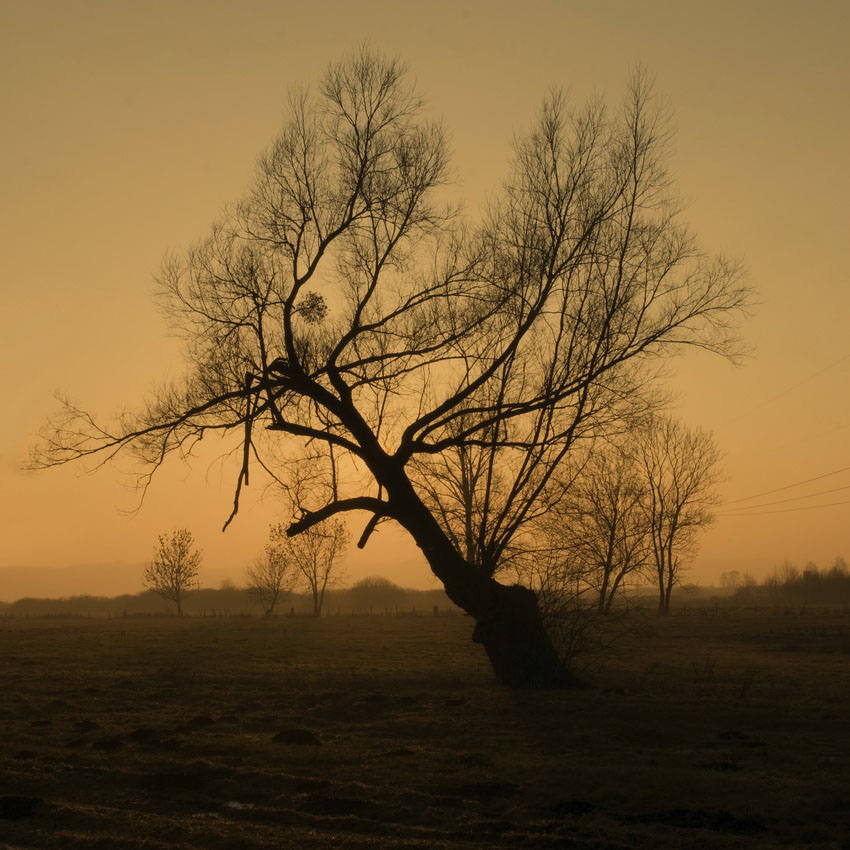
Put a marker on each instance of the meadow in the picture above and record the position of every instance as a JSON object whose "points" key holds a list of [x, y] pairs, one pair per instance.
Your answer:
{"points": [[704, 730]]}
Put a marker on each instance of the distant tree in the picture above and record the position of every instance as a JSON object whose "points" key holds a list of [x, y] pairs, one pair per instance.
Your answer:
{"points": [[271, 576], [315, 554], [731, 579], [680, 471], [788, 584], [748, 581], [600, 527], [174, 568], [839, 567], [786, 573], [377, 592]]}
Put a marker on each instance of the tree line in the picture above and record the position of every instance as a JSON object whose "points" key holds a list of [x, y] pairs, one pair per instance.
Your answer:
{"points": [[791, 584], [369, 596]]}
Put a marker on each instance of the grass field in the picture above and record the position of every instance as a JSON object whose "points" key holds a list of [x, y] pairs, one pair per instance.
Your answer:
{"points": [[705, 731]]}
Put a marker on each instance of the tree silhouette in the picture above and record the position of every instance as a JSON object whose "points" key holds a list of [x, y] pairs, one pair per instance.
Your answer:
{"points": [[174, 568], [344, 306], [680, 471], [600, 529], [314, 555], [271, 576]]}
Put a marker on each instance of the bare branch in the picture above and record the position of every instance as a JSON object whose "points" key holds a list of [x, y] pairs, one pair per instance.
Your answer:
{"points": [[357, 503]]}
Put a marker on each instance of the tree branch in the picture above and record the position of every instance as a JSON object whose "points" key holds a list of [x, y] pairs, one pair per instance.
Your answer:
{"points": [[358, 503]]}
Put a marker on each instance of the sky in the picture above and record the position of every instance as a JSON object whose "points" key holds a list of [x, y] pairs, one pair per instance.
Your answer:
{"points": [[128, 126]]}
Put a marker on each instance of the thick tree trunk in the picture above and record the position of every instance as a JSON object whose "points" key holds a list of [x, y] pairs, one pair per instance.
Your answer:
{"points": [[508, 620], [516, 641]]}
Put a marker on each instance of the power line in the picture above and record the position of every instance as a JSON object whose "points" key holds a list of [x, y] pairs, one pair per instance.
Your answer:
{"points": [[794, 498], [784, 392], [789, 510], [786, 487], [807, 438]]}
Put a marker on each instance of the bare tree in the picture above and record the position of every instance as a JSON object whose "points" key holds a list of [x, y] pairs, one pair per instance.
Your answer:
{"points": [[731, 579], [600, 529], [271, 576], [174, 568], [839, 567], [315, 554], [343, 306], [680, 469]]}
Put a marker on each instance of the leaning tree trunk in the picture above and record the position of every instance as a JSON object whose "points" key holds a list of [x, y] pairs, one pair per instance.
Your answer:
{"points": [[516, 641], [508, 620], [508, 623]]}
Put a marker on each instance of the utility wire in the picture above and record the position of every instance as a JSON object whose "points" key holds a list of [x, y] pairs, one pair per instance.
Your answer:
{"points": [[792, 499], [807, 438], [785, 392], [786, 487], [789, 510]]}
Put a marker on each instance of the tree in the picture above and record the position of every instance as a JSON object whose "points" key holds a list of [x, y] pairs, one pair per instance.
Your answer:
{"points": [[174, 568], [315, 554], [680, 469], [271, 576], [376, 592], [344, 306], [731, 579], [839, 567], [600, 529]]}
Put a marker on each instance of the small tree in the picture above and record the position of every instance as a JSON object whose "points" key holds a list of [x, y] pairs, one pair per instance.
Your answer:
{"points": [[600, 528], [270, 577], [731, 579], [174, 568], [315, 554], [680, 470]]}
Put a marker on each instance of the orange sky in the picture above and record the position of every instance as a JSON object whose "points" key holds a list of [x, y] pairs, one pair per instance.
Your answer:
{"points": [[128, 125]]}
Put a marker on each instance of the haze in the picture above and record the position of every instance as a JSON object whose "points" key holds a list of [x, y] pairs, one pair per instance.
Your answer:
{"points": [[129, 126]]}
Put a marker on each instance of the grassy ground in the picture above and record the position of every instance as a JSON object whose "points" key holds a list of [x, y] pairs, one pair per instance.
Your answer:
{"points": [[704, 732]]}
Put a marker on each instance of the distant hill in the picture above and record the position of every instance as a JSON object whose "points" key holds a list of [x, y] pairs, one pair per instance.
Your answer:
{"points": [[101, 579], [105, 579]]}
